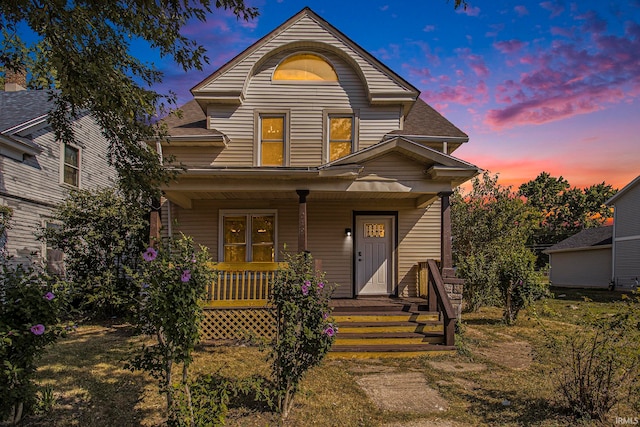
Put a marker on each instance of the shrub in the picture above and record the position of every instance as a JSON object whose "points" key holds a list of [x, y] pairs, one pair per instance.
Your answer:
{"points": [[305, 331], [172, 282], [517, 281], [29, 311], [101, 234], [599, 366]]}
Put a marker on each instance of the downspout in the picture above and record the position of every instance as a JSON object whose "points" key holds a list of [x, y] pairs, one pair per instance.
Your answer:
{"points": [[613, 250]]}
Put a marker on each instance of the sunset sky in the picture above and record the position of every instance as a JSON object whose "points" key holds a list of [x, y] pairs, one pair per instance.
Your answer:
{"points": [[537, 85]]}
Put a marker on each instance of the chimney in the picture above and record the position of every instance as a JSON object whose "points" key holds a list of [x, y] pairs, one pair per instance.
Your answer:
{"points": [[14, 81]]}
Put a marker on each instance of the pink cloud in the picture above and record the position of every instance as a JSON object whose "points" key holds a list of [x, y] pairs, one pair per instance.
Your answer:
{"points": [[564, 32], [429, 28], [459, 94], [521, 10], [392, 51], [555, 8], [567, 79], [509, 46]]}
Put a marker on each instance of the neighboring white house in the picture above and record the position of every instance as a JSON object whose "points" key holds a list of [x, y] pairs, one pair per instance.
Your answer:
{"points": [[582, 260], [626, 236], [37, 171]]}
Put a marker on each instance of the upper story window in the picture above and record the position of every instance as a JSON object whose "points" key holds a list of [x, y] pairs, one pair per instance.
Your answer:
{"points": [[272, 139], [340, 136], [305, 67], [71, 165]]}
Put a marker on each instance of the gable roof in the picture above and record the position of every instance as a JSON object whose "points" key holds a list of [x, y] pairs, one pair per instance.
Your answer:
{"points": [[21, 107], [423, 120], [365, 64], [622, 192], [444, 166], [587, 238]]}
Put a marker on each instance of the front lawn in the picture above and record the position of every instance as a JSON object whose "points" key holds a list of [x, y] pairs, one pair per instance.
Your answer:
{"points": [[503, 378]]}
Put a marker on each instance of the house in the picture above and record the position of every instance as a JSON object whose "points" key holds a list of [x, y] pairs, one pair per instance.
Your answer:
{"points": [[582, 260], [626, 236], [37, 171], [306, 142]]}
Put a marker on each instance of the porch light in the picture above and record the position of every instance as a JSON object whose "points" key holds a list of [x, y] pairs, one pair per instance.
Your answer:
{"points": [[347, 232]]}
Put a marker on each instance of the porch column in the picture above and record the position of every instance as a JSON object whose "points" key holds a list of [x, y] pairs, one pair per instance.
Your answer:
{"points": [[446, 257], [302, 219]]}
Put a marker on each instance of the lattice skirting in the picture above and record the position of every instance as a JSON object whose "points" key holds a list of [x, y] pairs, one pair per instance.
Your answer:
{"points": [[237, 323]]}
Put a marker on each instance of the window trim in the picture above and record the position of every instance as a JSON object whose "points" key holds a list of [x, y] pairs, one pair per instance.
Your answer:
{"points": [[326, 130], [247, 213], [63, 164], [257, 135]]}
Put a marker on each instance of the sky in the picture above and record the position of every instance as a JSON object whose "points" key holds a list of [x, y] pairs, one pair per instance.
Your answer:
{"points": [[537, 85]]}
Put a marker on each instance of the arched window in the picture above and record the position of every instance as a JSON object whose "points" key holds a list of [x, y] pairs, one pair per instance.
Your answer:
{"points": [[305, 67]]}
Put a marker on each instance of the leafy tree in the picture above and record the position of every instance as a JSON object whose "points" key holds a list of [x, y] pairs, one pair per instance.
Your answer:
{"points": [[565, 210], [82, 48], [490, 226], [101, 234]]}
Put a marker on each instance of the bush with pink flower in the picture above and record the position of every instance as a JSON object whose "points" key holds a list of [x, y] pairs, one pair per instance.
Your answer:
{"points": [[29, 310], [172, 282], [305, 331]]}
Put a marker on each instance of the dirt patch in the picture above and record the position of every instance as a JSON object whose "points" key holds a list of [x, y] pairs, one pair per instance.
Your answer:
{"points": [[426, 423], [515, 354], [371, 369], [452, 366], [402, 392]]}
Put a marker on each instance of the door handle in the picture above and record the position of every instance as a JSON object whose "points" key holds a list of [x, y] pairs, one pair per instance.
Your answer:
{"points": [[359, 253]]}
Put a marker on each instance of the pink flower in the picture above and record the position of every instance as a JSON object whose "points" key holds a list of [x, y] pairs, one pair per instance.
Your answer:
{"points": [[37, 329], [320, 285], [325, 316], [329, 330], [49, 296], [305, 288], [186, 275], [150, 254]]}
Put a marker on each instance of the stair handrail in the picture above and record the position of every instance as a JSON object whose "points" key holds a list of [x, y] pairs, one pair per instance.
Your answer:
{"points": [[437, 296]]}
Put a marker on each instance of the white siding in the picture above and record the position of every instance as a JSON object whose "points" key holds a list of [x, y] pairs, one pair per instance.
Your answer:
{"points": [[418, 233], [306, 104], [627, 238], [581, 269], [31, 188], [305, 33]]}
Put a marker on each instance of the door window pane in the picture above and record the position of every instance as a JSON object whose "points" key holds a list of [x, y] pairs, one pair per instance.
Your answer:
{"points": [[373, 230]]}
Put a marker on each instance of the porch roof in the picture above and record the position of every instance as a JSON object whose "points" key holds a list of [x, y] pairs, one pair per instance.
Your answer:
{"points": [[351, 177]]}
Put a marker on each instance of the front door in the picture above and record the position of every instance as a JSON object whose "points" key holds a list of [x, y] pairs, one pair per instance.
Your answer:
{"points": [[374, 254]]}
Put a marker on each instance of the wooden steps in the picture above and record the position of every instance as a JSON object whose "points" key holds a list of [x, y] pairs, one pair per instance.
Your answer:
{"points": [[387, 328]]}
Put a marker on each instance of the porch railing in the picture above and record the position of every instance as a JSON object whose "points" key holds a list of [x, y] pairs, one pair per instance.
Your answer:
{"points": [[438, 300], [242, 283]]}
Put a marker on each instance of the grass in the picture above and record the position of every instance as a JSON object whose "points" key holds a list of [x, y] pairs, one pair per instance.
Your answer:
{"points": [[504, 379]]}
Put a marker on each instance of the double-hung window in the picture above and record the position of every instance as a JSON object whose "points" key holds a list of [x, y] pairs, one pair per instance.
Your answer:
{"points": [[272, 140], [248, 236], [71, 165], [340, 134]]}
